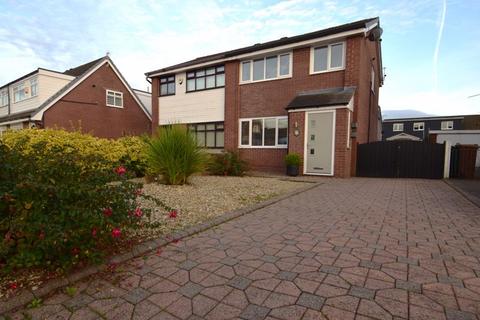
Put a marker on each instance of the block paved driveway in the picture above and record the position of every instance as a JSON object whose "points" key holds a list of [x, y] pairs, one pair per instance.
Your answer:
{"points": [[348, 249]]}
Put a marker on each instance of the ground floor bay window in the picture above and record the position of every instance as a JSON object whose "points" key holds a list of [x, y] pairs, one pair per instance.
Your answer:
{"points": [[271, 132], [208, 135]]}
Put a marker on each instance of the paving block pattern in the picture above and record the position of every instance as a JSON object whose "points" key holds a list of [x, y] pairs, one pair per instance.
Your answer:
{"points": [[347, 249]]}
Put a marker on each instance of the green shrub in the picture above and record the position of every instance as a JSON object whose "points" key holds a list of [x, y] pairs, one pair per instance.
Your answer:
{"points": [[293, 159], [126, 151], [174, 155], [227, 164], [60, 208]]}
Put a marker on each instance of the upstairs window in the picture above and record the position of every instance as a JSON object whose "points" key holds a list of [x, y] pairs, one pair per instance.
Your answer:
{"points": [[328, 57], [26, 89], [266, 68], [33, 87], [418, 126], [167, 85], [447, 125], [3, 98], [264, 132], [398, 127], [114, 99], [207, 78], [19, 93]]}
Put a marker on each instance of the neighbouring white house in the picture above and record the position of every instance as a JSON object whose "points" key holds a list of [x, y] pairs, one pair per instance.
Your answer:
{"points": [[469, 137]]}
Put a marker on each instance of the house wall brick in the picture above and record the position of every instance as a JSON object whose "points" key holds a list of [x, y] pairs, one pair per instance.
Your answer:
{"points": [[269, 98], [85, 108], [155, 104]]}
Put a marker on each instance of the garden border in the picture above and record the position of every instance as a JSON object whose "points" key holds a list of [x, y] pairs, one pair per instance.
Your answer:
{"points": [[28, 295]]}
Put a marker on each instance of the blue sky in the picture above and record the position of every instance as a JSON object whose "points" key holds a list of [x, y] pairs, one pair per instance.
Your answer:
{"points": [[146, 35]]}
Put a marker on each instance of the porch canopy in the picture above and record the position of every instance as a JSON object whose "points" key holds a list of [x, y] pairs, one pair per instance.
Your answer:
{"points": [[322, 98]]}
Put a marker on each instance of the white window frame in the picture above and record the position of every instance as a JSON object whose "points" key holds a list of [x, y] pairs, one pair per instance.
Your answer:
{"points": [[249, 145], [329, 57], [398, 127], [416, 126], [4, 93], [107, 92], [447, 125], [25, 85], [278, 77]]}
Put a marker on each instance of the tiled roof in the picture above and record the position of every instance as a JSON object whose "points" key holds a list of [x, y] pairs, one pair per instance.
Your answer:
{"points": [[272, 44]]}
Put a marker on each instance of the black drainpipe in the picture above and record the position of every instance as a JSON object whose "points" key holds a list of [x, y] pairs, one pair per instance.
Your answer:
{"points": [[9, 100]]}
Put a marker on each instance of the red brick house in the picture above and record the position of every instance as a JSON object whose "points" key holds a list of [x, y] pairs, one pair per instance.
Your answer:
{"points": [[93, 97], [315, 94]]}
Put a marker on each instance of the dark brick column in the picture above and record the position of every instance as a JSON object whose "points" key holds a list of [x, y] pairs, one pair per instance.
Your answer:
{"points": [[232, 112], [155, 104]]}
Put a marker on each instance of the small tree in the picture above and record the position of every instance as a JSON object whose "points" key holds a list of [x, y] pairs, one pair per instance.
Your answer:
{"points": [[174, 155]]}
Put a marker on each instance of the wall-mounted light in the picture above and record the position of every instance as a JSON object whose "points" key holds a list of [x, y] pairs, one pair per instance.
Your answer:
{"points": [[296, 131], [180, 80]]}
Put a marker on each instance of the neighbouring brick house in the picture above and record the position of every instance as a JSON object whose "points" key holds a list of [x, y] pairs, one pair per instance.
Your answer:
{"points": [[93, 97], [315, 94]]}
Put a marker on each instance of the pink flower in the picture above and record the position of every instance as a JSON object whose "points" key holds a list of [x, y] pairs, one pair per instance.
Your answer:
{"points": [[13, 285], [94, 232], [138, 212], [121, 170], [107, 212], [172, 214], [138, 192], [116, 232]]}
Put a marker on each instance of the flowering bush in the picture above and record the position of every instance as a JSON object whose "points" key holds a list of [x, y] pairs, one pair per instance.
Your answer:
{"points": [[61, 208], [126, 151]]}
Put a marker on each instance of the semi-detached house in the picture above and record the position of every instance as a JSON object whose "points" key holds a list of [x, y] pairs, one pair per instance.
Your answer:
{"points": [[315, 94], [93, 97]]}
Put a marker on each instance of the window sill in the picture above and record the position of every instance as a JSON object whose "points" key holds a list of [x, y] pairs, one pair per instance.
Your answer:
{"points": [[117, 107], [327, 71], [263, 147], [265, 80], [166, 95], [207, 89]]}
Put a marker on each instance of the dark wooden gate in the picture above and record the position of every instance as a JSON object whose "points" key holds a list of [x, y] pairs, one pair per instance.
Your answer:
{"points": [[462, 161], [401, 159]]}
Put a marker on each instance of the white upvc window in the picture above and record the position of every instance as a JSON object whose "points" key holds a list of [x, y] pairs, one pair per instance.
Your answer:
{"points": [[266, 68], [418, 126], [398, 127], [19, 93], [114, 99], [33, 87], [326, 58], [271, 132], [4, 98], [25, 90], [447, 125]]}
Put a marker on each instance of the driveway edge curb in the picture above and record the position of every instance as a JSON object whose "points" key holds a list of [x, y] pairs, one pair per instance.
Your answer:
{"points": [[465, 194], [51, 285]]}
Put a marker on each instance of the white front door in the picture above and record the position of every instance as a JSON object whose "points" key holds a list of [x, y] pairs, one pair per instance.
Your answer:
{"points": [[319, 142]]}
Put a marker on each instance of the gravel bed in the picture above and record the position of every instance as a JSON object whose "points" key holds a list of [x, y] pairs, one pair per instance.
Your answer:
{"points": [[206, 197]]}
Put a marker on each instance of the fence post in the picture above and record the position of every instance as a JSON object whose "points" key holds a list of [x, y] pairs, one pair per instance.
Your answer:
{"points": [[446, 163]]}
